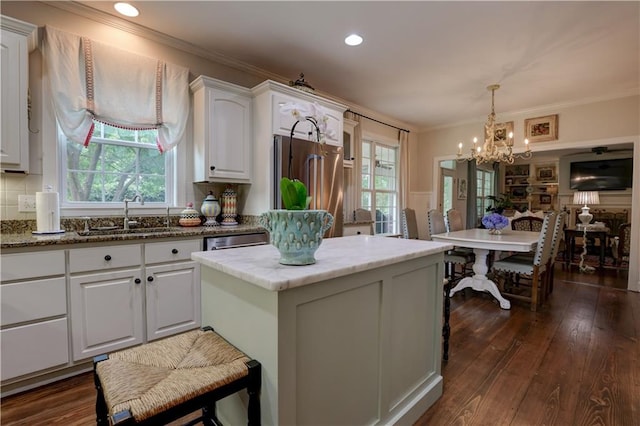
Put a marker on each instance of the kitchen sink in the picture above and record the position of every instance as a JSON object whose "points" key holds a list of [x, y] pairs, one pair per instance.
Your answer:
{"points": [[120, 231]]}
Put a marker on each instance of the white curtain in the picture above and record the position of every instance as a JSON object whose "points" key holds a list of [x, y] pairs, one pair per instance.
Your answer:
{"points": [[403, 139], [93, 81]]}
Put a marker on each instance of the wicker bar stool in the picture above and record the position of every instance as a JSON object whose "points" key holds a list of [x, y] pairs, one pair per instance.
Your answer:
{"points": [[159, 382]]}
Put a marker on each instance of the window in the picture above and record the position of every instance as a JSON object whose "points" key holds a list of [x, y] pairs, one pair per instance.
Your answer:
{"points": [[117, 164], [380, 184], [485, 187]]}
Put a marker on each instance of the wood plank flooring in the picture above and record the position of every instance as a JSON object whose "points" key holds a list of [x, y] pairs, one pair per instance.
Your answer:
{"points": [[575, 362]]}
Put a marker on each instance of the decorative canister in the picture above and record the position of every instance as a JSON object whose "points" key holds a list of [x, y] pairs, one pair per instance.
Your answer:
{"points": [[189, 216], [210, 209], [229, 206]]}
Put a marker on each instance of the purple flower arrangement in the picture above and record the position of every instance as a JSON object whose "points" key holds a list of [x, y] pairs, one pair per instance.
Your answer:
{"points": [[495, 221]]}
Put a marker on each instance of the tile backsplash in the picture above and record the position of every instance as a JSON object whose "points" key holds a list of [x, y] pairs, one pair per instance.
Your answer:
{"points": [[12, 185]]}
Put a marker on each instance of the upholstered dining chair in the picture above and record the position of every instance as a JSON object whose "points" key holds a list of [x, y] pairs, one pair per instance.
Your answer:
{"points": [[535, 268], [454, 221], [451, 257], [409, 224], [527, 223], [555, 245]]}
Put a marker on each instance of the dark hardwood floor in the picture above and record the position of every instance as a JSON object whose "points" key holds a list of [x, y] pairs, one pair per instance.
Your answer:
{"points": [[574, 362]]}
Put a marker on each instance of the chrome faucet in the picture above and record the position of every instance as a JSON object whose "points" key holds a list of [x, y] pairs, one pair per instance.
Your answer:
{"points": [[128, 222]]}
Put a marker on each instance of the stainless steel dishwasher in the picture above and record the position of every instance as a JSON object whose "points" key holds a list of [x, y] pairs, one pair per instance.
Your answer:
{"points": [[216, 242]]}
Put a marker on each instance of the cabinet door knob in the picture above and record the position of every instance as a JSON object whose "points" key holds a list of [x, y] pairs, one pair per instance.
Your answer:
{"points": [[149, 278], [212, 168], [174, 251], [107, 258], [137, 281]]}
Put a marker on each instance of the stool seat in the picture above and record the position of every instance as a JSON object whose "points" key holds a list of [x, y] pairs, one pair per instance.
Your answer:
{"points": [[147, 382]]}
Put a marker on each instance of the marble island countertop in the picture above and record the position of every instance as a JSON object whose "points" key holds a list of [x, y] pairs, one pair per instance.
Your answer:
{"points": [[335, 257], [27, 239]]}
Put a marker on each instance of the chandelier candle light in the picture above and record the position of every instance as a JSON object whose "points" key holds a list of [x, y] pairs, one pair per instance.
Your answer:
{"points": [[496, 147]]}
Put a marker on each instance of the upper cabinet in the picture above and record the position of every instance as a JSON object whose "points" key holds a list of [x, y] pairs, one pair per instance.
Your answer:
{"points": [[270, 96], [18, 38], [268, 121], [222, 131]]}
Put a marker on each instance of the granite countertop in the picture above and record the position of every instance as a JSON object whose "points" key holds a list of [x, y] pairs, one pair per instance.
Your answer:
{"points": [[27, 239], [335, 257]]}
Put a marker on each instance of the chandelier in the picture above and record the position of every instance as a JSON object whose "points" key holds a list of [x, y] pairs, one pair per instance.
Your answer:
{"points": [[498, 146]]}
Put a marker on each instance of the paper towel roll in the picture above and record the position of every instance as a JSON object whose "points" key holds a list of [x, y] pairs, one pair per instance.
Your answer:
{"points": [[47, 212]]}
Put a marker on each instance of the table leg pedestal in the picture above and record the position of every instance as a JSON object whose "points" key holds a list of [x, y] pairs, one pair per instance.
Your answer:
{"points": [[479, 280]]}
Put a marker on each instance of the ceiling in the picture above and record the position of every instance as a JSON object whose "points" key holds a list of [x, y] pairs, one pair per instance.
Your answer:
{"points": [[424, 63]]}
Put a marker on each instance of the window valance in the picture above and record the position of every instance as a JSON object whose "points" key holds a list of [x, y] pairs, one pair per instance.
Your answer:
{"points": [[93, 81]]}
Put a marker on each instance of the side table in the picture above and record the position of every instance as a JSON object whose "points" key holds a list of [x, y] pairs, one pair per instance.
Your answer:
{"points": [[570, 234]]}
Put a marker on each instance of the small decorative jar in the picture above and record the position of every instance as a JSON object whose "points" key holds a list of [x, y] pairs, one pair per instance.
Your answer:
{"points": [[210, 209], [189, 216], [229, 206]]}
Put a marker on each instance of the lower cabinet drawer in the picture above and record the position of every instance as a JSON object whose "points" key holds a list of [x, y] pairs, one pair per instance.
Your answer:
{"points": [[32, 300], [171, 251], [34, 347], [104, 258]]}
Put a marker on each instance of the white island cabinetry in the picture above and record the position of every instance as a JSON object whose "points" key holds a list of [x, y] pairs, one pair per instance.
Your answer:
{"points": [[222, 135], [352, 339]]}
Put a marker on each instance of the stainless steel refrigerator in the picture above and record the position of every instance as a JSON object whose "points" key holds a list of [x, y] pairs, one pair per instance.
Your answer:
{"points": [[319, 167]]}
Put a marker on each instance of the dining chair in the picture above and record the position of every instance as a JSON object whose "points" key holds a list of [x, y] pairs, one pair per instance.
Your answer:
{"points": [[409, 224], [555, 246], [535, 268], [453, 222], [527, 223], [452, 257]]}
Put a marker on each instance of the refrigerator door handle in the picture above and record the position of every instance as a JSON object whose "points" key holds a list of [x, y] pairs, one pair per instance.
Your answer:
{"points": [[314, 166]]}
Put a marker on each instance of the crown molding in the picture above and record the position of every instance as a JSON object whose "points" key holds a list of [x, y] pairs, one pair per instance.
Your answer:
{"points": [[543, 109], [159, 37]]}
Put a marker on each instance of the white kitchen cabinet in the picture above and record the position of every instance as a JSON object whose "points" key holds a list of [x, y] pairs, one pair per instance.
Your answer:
{"points": [[283, 121], [172, 288], [222, 131], [107, 302], [268, 121], [33, 313], [18, 38], [121, 297]]}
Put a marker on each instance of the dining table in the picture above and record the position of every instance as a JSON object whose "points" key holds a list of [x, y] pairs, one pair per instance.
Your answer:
{"points": [[483, 242]]}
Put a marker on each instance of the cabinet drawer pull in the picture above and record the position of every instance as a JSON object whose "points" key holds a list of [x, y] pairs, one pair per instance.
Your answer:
{"points": [[212, 168], [174, 251], [137, 281], [149, 278], [107, 258]]}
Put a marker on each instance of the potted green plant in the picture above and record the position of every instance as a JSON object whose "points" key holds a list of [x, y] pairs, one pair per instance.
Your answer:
{"points": [[501, 203], [294, 194], [295, 230]]}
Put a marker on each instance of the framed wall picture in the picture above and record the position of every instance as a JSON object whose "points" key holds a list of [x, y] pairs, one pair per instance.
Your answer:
{"points": [[541, 129], [546, 173], [545, 199], [462, 189], [502, 131]]}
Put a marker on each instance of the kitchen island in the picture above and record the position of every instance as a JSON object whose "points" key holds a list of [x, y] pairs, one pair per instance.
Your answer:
{"points": [[353, 339]]}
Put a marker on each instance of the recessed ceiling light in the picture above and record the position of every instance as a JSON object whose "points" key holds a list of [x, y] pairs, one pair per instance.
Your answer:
{"points": [[353, 40], [126, 9]]}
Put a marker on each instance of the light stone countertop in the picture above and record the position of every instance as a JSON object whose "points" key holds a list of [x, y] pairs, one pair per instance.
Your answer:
{"points": [[335, 257]]}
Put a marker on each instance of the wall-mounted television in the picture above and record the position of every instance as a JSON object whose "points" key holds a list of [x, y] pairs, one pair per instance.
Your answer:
{"points": [[601, 175]]}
